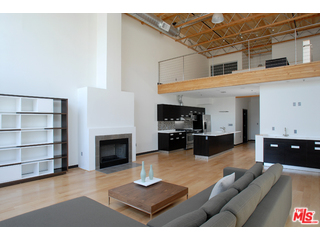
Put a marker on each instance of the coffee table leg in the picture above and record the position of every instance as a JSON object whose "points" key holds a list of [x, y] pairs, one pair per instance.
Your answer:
{"points": [[108, 200], [150, 216]]}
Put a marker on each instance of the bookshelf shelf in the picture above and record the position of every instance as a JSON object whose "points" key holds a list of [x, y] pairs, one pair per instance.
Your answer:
{"points": [[33, 137]]}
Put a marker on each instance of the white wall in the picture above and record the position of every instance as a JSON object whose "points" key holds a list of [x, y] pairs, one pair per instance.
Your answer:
{"points": [[277, 110], [253, 117], [222, 113], [288, 49], [234, 57], [241, 103], [49, 55], [142, 49]]}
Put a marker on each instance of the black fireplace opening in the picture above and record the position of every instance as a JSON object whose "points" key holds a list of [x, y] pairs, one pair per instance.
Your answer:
{"points": [[114, 152]]}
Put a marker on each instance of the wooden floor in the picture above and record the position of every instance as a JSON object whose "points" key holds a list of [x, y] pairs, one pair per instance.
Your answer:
{"points": [[178, 167]]}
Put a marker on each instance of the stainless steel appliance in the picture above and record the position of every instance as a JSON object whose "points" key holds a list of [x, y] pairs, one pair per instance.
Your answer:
{"points": [[189, 140], [203, 123], [189, 136]]}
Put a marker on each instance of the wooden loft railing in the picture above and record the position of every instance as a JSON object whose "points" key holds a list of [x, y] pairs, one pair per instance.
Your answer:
{"points": [[290, 72]]}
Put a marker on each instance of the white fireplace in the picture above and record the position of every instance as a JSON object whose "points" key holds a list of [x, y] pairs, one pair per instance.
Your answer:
{"points": [[105, 109]]}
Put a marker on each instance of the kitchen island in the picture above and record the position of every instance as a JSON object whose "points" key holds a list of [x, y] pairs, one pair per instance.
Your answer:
{"points": [[206, 145]]}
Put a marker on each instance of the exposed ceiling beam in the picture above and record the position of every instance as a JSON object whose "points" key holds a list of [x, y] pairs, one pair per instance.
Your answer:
{"points": [[267, 36], [195, 20], [233, 23], [259, 28]]}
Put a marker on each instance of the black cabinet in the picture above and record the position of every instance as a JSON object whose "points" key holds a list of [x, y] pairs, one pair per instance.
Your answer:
{"points": [[303, 153], [171, 141], [211, 145], [295, 152], [313, 154], [274, 150], [168, 112]]}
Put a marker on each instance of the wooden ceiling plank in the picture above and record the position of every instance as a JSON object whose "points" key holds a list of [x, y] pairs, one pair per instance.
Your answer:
{"points": [[259, 28], [233, 23], [267, 36], [194, 21], [171, 16]]}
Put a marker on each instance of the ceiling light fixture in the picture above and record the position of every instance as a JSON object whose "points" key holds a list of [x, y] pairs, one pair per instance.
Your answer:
{"points": [[217, 18]]}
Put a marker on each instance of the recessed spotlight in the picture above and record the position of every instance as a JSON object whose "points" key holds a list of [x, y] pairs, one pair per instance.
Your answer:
{"points": [[223, 92]]}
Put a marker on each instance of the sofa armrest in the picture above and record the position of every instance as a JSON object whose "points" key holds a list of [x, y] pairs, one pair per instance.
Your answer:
{"points": [[238, 171]]}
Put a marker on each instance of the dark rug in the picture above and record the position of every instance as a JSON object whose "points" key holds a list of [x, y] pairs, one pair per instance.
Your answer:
{"points": [[119, 168], [78, 212]]}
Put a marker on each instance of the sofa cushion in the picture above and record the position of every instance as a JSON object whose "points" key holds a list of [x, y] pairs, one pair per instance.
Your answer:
{"points": [[191, 219], [276, 170], [214, 205], [275, 207], [264, 182], [222, 185], [244, 204], [243, 182], [191, 204], [256, 169], [223, 219]]}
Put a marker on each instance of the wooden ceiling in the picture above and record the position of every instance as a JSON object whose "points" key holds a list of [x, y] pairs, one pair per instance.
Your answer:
{"points": [[240, 31]]}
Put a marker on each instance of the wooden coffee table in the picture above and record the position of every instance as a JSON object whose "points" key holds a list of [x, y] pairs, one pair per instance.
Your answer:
{"points": [[149, 199]]}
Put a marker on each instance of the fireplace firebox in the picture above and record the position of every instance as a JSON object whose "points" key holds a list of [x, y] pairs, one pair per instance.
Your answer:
{"points": [[113, 152]]}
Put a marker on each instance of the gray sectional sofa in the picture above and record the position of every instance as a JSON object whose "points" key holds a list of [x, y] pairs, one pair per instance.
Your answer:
{"points": [[255, 199]]}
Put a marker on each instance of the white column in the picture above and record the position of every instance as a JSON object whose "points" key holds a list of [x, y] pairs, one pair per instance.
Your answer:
{"points": [[109, 51]]}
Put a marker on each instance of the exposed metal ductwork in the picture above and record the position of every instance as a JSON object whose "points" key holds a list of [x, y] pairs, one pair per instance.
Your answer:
{"points": [[157, 23]]}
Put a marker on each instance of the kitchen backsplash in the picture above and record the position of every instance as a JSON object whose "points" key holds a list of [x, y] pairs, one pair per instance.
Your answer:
{"points": [[167, 125]]}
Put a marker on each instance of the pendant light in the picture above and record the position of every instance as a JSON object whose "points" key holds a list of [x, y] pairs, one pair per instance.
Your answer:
{"points": [[217, 18]]}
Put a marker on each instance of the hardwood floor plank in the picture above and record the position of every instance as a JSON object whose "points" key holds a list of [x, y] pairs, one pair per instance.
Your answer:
{"points": [[178, 167]]}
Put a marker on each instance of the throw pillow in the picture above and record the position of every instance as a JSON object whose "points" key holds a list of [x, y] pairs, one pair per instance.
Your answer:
{"points": [[222, 185]]}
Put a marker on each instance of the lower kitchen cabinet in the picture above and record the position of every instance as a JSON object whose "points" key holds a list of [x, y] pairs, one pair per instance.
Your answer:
{"points": [[274, 150], [313, 154], [303, 153], [206, 145], [171, 141]]}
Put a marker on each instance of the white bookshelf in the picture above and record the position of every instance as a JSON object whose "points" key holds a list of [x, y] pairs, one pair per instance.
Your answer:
{"points": [[36, 153], [29, 170], [46, 167], [33, 137]]}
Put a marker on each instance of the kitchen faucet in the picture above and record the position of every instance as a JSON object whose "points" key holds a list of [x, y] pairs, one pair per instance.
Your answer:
{"points": [[223, 128]]}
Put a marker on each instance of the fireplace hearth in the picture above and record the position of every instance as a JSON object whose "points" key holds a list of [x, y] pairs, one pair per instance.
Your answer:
{"points": [[113, 150]]}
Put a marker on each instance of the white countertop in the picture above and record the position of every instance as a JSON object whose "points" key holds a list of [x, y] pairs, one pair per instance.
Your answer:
{"points": [[298, 137], [169, 131], [214, 134]]}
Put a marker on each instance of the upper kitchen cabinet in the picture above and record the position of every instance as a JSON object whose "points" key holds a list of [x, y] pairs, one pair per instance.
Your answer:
{"points": [[175, 112], [168, 112], [192, 110]]}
